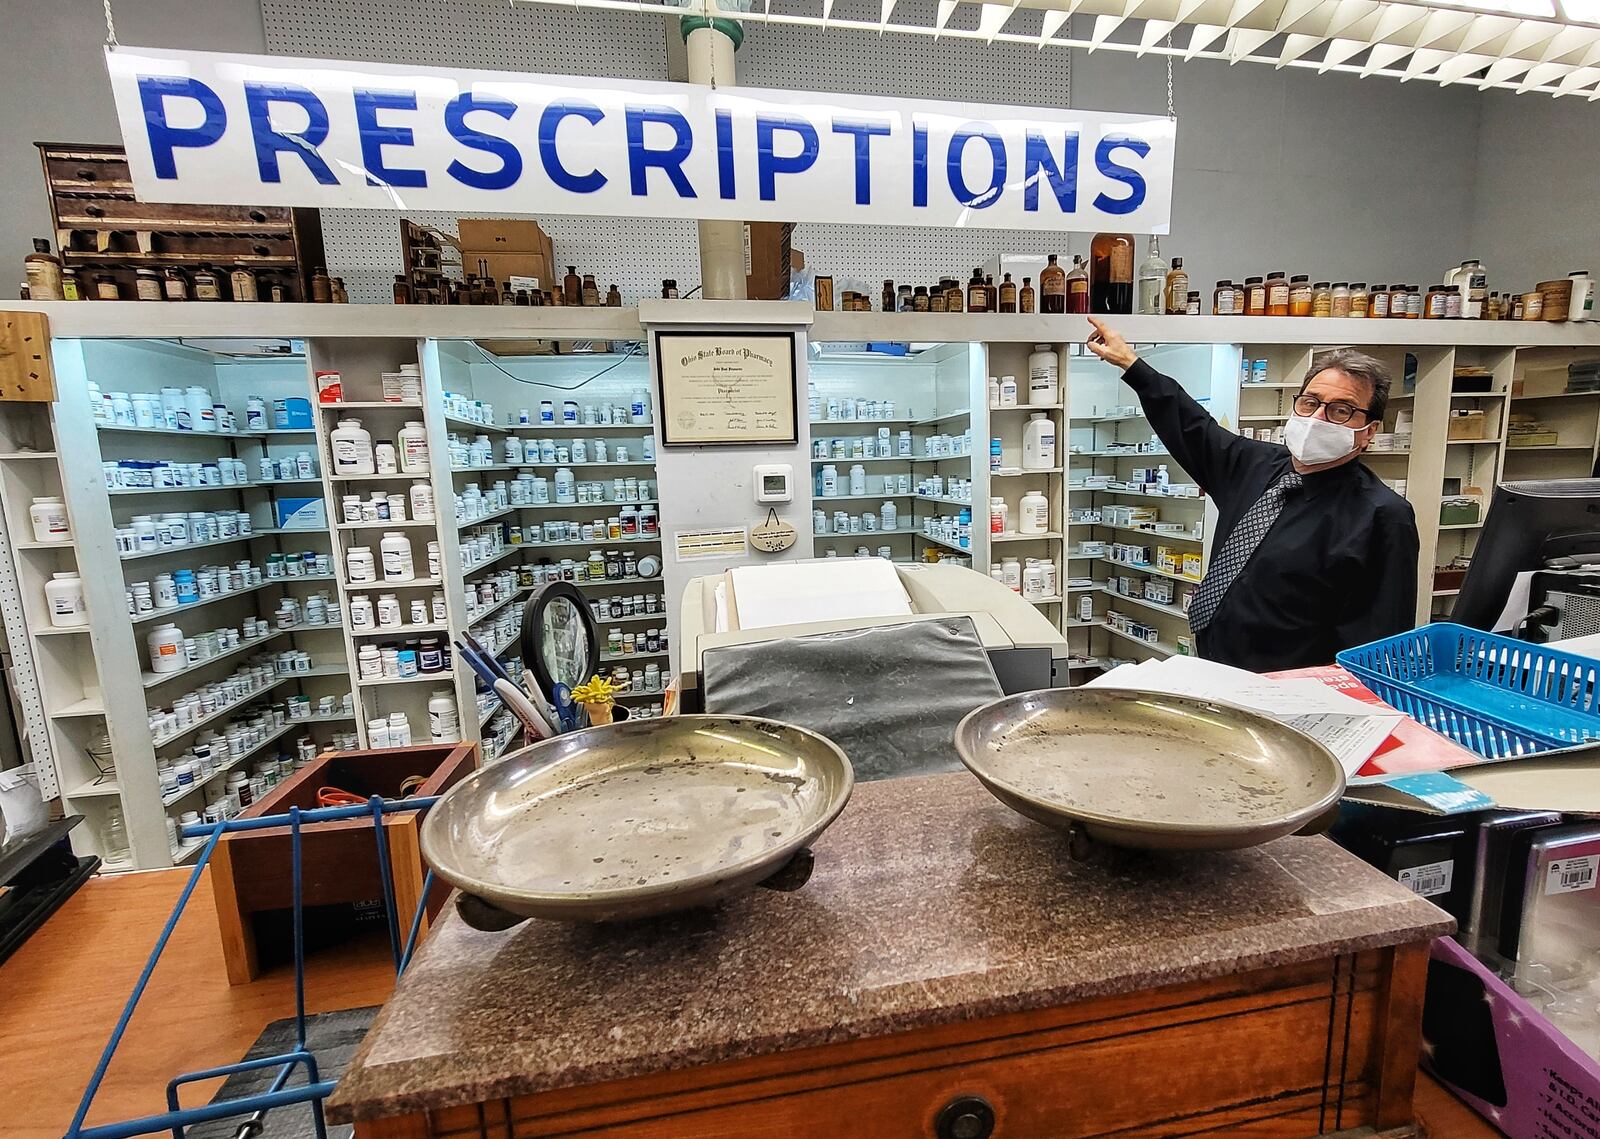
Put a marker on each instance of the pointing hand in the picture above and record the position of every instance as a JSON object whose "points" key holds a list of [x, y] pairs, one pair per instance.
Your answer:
{"points": [[1109, 345]]}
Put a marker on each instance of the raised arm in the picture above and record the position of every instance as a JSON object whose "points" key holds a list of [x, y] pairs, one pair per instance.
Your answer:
{"points": [[1203, 448]]}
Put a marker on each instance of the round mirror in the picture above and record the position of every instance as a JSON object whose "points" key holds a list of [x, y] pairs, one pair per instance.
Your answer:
{"points": [[559, 640]]}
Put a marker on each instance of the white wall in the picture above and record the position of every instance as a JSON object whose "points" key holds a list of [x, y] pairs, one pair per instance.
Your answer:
{"points": [[1535, 213], [53, 88]]}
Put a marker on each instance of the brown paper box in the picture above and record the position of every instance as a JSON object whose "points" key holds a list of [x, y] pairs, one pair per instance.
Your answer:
{"points": [[766, 259]]}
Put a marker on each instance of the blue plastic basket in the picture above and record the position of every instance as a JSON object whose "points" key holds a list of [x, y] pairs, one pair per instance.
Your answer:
{"points": [[1496, 696]]}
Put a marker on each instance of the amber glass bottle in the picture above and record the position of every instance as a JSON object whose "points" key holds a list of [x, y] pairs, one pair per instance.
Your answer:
{"points": [[977, 295], [1027, 300], [1111, 273], [1008, 294], [1052, 287], [1078, 286]]}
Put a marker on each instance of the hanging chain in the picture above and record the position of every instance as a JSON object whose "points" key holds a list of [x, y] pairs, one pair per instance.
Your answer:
{"points": [[1171, 114], [707, 9], [111, 26]]}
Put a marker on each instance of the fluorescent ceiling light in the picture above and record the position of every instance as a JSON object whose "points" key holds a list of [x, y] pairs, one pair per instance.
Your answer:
{"points": [[1587, 11], [1545, 8]]}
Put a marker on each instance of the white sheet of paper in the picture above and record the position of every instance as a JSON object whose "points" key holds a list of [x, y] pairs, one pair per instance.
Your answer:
{"points": [[1516, 602], [1349, 728], [829, 589]]}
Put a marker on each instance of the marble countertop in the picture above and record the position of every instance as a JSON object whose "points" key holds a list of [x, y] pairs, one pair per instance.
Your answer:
{"points": [[930, 903]]}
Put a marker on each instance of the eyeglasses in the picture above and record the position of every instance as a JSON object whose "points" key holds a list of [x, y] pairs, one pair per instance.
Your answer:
{"points": [[1338, 411]]}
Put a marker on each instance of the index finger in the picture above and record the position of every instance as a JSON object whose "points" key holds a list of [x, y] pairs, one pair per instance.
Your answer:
{"points": [[1099, 326]]}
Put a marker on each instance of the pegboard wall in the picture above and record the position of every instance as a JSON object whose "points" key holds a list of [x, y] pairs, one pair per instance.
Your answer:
{"points": [[364, 246]]}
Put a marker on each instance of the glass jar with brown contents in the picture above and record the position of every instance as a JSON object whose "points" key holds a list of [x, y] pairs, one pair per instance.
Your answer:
{"points": [[1255, 297], [1301, 295], [1026, 301], [1277, 286], [1222, 299]]}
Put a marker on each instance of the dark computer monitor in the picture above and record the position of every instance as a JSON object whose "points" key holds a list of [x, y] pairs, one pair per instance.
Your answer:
{"points": [[1531, 524]]}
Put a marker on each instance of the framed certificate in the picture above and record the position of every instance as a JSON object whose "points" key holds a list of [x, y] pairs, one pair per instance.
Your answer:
{"points": [[726, 388]]}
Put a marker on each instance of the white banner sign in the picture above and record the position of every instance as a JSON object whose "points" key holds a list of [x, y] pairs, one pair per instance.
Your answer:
{"points": [[274, 130]]}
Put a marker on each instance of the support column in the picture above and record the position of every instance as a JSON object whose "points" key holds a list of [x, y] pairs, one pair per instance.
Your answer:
{"points": [[711, 44]]}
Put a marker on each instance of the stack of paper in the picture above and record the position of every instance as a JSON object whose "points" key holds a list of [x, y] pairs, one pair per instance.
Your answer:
{"points": [[1349, 728]]}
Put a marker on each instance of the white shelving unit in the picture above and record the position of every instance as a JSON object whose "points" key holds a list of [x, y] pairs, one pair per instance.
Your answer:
{"points": [[516, 384], [102, 682], [90, 681], [1105, 425], [1011, 482], [904, 401]]}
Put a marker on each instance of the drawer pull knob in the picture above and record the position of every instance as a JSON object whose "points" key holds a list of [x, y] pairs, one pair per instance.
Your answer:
{"points": [[965, 1117]]}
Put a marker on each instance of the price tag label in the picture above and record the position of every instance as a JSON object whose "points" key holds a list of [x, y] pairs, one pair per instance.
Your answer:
{"points": [[1571, 875], [1430, 879]]}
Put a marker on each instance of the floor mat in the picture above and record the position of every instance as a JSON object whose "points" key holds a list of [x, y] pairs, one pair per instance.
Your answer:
{"points": [[332, 1038]]}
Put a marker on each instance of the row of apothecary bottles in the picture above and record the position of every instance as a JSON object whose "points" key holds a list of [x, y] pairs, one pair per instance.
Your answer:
{"points": [[1102, 284]]}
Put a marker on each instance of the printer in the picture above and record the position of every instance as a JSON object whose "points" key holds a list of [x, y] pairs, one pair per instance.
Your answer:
{"points": [[750, 605]]}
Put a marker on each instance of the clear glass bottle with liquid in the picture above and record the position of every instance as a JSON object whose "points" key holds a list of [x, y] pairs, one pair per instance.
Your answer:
{"points": [[1152, 282], [114, 836]]}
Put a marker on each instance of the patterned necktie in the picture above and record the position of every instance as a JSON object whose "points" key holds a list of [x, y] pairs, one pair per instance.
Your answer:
{"points": [[1237, 550]]}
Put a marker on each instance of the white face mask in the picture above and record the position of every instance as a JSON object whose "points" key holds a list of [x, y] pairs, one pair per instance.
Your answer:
{"points": [[1316, 441]]}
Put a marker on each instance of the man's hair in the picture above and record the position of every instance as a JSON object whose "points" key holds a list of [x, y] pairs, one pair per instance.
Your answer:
{"points": [[1358, 366]]}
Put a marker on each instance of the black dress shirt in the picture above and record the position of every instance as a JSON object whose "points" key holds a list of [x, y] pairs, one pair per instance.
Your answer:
{"points": [[1338, 568]]}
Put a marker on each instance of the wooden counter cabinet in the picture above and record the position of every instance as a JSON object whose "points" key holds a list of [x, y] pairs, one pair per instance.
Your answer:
{"points": [[250, 870], [949, 972]]}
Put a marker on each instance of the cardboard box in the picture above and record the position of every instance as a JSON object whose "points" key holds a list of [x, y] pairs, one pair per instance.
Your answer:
{"points": [[508, 247], [502, 235], [300, 514], [502, 266], [767, 257], [1467, 425]]}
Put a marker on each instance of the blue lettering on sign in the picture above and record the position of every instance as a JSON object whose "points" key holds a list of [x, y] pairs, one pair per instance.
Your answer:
{"points": [[455, 121], [864, 132], [919, 164], [1118, 173], [154, 91], [769, 164], [958, 184], [548, 122], [270, 142], [725, 184], [375, 136], [670, 161], [1038, 161]]}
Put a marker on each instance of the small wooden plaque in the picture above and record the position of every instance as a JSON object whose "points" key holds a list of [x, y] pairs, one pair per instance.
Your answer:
{"points": [[25, 372]]}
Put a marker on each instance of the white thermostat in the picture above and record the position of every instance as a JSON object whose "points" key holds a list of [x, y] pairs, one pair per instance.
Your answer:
{"points": [[774, 482]]}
